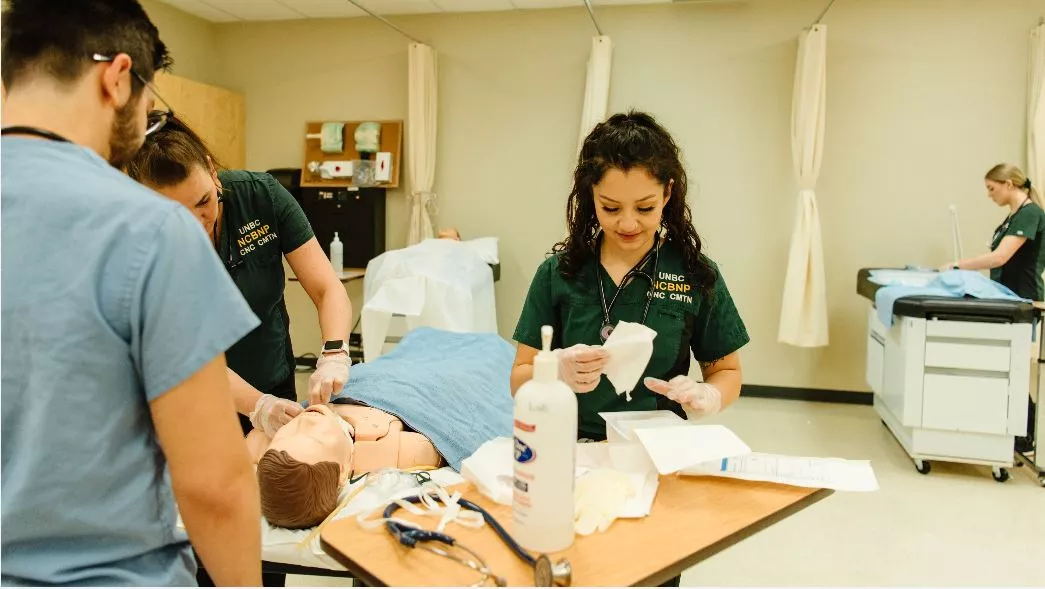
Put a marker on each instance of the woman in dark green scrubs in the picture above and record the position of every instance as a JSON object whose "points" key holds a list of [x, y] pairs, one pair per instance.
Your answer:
{"points": [[632, 254], [1017, 256], [254, 223]]}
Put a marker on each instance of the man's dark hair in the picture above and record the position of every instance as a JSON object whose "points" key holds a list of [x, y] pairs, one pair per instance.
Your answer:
{"points": [[58, 38]]}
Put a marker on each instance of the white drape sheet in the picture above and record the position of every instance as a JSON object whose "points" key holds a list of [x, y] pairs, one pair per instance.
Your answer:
{"points": [[596, 86], [803, 314], [1036, 109], [420, 139]]}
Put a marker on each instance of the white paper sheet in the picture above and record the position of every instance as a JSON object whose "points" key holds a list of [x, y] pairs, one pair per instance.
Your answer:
{"points": [[830, 473], [674, 448], [630, 459]]}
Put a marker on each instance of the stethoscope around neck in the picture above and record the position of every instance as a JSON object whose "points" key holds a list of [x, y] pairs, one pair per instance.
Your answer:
{"points": [[231, 261], [607, 325], [1005, 224]]}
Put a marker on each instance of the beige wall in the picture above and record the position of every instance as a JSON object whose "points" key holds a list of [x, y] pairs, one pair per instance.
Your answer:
{"points": [[190, 40], [923, 97]]}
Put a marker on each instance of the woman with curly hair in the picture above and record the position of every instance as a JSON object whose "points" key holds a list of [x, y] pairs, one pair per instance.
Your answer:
{"points": [[633, 255]]}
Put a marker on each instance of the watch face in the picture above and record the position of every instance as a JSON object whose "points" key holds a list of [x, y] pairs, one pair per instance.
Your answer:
{"points": [[542, 572], [333, 345]]}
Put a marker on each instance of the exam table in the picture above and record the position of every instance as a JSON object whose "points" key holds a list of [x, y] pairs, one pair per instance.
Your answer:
{"points": [[951, 376]]}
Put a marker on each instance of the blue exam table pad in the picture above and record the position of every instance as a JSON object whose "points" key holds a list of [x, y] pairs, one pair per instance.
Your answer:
{"points": [[453, 388], [961, 295]]}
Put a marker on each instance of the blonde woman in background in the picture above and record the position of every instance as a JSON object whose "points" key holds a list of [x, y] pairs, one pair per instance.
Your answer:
{"points": [[1017, 257]]}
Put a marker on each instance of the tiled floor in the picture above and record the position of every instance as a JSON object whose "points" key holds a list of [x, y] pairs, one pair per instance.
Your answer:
{"points": [[955, 526]]}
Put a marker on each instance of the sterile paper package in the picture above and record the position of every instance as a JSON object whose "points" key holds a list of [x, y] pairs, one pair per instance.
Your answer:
{"points": [[439, 283], [675, 448], [491, 469], [830, 473], [620, 425]]}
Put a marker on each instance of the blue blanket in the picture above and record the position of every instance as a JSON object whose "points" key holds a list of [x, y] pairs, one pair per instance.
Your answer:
{"points": [[452, 387], [953, 284]]}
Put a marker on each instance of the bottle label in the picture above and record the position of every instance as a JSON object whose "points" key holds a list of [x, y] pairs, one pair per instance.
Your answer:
{"points": [[523, 453], [526, 427]]}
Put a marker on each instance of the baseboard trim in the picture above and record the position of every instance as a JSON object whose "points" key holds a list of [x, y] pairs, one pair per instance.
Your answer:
{"points": [[800, 394]]}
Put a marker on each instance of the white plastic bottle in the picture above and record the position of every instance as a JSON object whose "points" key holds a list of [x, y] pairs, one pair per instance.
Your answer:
{"points": [[545, 456], [337, 255]]}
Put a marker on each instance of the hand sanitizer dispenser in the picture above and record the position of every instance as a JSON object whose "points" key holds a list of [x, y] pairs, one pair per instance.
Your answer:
{"points": [[545, 456], [337, 255]]}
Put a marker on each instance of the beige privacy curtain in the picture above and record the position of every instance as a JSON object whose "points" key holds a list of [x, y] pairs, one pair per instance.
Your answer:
{"points": [[420, 140], [803, 314], [597, 86], [1036, 108]]}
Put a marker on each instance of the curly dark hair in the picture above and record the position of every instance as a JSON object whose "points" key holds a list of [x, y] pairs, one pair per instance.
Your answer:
{"points": [[625, 141]]}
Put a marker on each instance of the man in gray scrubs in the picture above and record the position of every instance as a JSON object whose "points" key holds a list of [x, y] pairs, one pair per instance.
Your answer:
{"points": [[116, 313]]}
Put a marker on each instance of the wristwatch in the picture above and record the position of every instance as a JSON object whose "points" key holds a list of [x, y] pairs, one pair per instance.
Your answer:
{"points": [[334, 346]]}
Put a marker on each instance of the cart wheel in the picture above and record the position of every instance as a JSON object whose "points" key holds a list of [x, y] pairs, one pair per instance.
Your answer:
{"points": [[1000, 474], [1041, 480], [922, 466]]}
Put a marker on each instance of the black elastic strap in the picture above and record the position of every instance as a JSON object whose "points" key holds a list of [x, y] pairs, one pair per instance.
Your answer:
{"points": [[35, 131]]}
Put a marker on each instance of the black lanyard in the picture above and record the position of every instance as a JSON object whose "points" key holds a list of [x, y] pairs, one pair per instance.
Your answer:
{"points": [[1005, 224], [607, 326], [35, 131], [231, 262]]}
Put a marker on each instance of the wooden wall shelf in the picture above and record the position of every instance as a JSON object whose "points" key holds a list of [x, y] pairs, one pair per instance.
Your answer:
{"points": [[391, 142]]}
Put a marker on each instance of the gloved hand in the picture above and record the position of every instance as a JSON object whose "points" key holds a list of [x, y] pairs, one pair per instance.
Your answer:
{"points": [[697, 398], [331, 374], [580, 366], [271, 413]]}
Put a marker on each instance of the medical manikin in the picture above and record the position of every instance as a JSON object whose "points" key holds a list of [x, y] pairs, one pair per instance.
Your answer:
{"points": [[304, 466]]}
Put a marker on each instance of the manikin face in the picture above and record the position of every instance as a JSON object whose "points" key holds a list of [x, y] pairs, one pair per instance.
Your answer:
{"points": [[629, 206], [199, 194], [317, 435], [1000, 192]]}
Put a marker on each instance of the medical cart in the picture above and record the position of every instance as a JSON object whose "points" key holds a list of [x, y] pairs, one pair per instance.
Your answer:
{"points": [[950, 377]]}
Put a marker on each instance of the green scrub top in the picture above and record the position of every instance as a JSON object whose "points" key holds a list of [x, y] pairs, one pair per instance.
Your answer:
{"points": [[261, 223], [1022, 273], [683, 319]]}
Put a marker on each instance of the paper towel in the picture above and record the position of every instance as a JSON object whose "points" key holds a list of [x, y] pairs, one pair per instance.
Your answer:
{"points": [[491, 469], [630, 347]]}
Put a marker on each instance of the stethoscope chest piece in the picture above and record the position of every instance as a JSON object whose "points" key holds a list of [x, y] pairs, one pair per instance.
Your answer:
{"points": [[549, 574]]}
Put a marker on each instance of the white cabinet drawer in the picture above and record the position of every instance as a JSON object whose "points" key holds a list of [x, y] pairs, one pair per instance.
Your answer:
{"points": [[965, 403], [968, 356]]}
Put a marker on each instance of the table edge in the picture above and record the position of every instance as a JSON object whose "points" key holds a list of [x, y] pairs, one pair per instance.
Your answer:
{"points": [[654, 579], [354, 568], [707, 552]]}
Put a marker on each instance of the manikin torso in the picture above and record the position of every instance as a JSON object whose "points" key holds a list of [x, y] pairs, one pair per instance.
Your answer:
{"points": [[379, 441]]}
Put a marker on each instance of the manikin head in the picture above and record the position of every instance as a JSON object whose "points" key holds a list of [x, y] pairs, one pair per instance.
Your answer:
{"points": [[82, 68], [176, 162], [1008, 186], [308, 462]]}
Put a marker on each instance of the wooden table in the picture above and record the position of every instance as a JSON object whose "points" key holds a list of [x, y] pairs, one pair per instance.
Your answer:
{"points": [[692, 519]]}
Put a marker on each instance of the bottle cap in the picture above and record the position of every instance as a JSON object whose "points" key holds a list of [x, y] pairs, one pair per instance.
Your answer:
{"points": [[546, 364]]}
